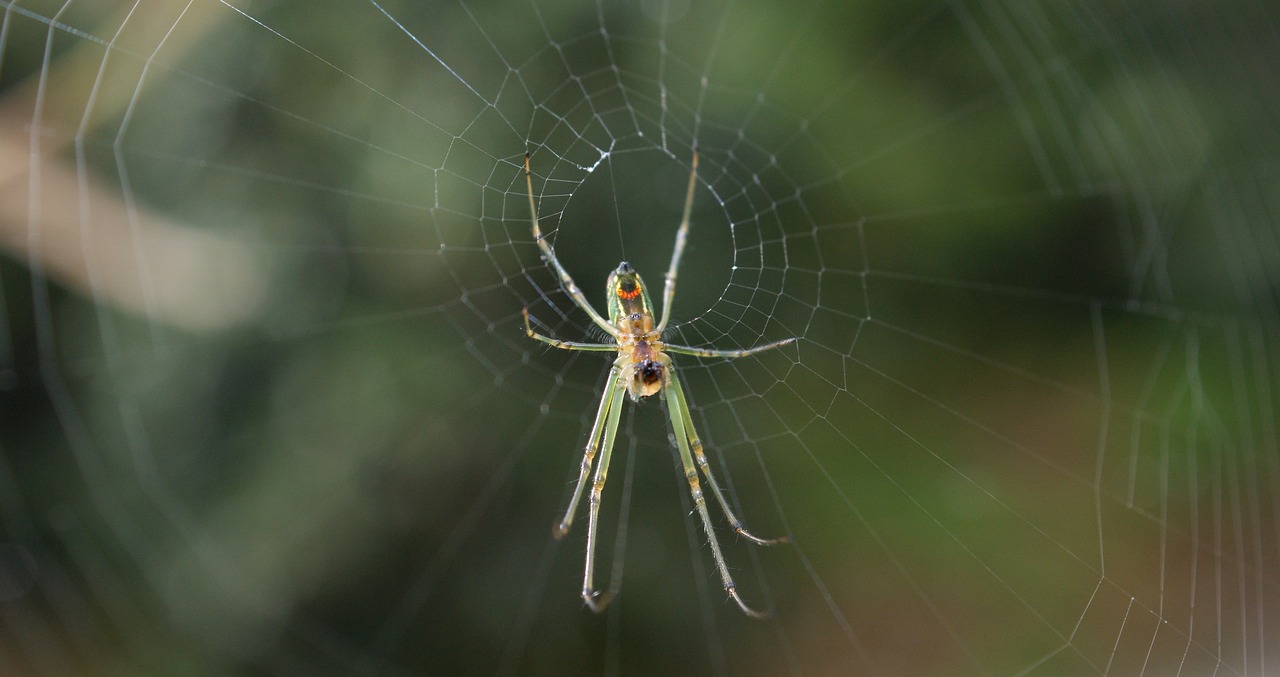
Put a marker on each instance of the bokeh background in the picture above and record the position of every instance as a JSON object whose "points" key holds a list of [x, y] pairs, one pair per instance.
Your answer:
{"points": [[266, 405]]}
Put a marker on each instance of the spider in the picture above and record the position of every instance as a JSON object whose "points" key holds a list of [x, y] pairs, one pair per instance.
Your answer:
{"points": [[643, 368]]}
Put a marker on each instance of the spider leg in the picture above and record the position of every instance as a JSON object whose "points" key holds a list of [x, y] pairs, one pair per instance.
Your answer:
{"points": [[701, 458], [594, 598], [682, 235], [704, 352], [563, 345], [608, 402], [565, 280], [676, 408]]}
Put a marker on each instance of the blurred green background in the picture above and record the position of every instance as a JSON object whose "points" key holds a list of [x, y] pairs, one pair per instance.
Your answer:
{"points": [[266, 405]]}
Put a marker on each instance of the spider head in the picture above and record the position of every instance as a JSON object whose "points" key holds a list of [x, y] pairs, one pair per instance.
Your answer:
{"points": [[628, 298]]}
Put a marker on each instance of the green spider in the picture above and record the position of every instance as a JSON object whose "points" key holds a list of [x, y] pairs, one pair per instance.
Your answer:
{"points": [[642, 368]]}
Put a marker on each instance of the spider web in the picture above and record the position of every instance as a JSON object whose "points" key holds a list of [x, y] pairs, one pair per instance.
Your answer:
{"points": [[268, 406]]}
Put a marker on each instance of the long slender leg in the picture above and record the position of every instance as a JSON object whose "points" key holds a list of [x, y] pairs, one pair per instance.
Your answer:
{"points": [[701, 458], [608, 402], [705, 352], [564, 345], [675, 408], [596, 599], [565, 280], [682, 235]]}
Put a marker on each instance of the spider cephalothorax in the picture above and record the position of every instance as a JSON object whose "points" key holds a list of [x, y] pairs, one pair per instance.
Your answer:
{"points": [[641, 369]]}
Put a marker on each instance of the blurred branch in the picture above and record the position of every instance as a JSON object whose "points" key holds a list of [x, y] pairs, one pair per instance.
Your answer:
{"points": [[194, 279]]}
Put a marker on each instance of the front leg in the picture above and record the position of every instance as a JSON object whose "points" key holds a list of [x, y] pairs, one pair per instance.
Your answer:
{"points": [[563, 345]]}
